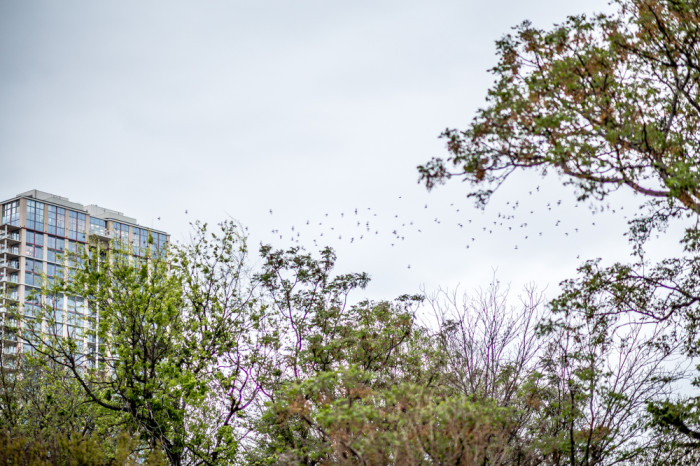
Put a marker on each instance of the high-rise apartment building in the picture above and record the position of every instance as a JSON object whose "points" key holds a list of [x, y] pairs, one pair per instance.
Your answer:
{"points": [[36, 230]]}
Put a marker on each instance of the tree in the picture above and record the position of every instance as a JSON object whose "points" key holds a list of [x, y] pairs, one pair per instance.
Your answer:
{"points": [[492, 354], [490, 346], [317, 328], [188, 352], [321, 339], [597, 377], [607, 102], [44, 419], [167, 346], [351, 420]]}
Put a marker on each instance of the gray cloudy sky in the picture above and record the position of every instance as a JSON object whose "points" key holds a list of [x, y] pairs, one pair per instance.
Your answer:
{"points": [[307, 108]]}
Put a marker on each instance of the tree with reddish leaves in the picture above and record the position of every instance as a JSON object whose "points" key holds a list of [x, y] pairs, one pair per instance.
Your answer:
{"points": [[609, 102]]}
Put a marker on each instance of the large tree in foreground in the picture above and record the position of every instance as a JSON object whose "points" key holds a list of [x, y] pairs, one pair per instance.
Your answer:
{"points": [[170, 346], [609, 102]]}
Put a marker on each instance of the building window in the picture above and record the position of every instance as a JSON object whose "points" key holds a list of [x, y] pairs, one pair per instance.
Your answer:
{"points": [[75, 253], [121, 234], [53, 272], [57, 221], [160, 240], [32, 302], [98, 226], [55, 303], [76, 226], [11, 277], [35, 215], [31, 331], [74, 317], [74, 259], [32, 272], [139, 241], [55, 249], [34, 245], [10, 213]]}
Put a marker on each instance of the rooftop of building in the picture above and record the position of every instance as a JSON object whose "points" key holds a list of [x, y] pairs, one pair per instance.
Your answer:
{"points": [[92, 210]]}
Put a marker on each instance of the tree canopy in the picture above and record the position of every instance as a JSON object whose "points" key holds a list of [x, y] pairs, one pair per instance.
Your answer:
{"points": [[197, 355], [607, 102]]}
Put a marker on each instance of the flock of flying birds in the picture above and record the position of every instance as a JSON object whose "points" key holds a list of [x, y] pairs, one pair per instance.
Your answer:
{"points": [[516, 224]]}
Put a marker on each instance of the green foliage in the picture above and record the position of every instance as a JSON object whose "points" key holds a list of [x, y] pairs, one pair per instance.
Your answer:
{"points": [[60, 449], [318, 335], [346, 419], [190, 356], [43, 415], [204, 361], [172, 353], [193, 351]]}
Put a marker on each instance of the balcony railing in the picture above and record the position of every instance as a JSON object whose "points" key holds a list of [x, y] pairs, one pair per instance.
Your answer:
{"points": [[14, 264], [12, 250], [14, 279], [12, 296], [10, 225], [102, 232], [12, 237]]}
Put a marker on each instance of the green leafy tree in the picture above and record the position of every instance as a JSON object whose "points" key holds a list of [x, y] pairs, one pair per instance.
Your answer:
{"points": [[44, 418], [318, 334], [458, 394], [173, 332], [356, 421], [318, 329]]}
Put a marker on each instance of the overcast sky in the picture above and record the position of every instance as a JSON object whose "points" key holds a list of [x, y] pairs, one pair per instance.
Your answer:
{"points": [[310, 109]]}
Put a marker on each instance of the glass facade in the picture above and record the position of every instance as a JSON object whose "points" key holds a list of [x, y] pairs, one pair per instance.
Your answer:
{"points": [[35, 215], [52, 241], [57, 221], [53, 273], [10, 213], [55, 249], [32, 272], [31, 302], [74, 319], [139, 241], [98, 226], [73, 257], [160, 241], [120, 232], [34, 246], [77, 223]]}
